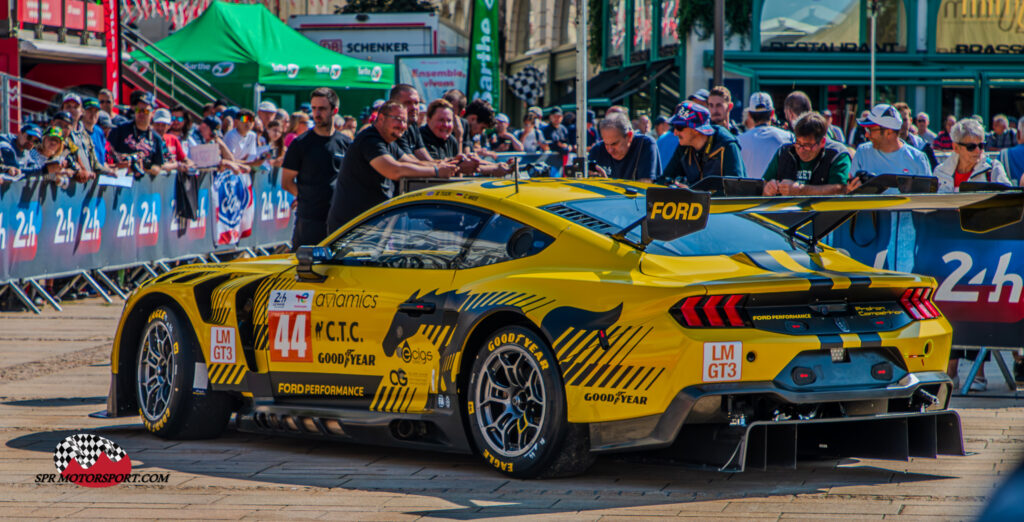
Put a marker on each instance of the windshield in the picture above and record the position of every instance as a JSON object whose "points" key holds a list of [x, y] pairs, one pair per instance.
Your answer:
{"points": [[726, 234]]}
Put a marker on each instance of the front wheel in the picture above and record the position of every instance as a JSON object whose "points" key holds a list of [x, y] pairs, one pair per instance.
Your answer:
{"points": [[516, 409], [164, 374]]}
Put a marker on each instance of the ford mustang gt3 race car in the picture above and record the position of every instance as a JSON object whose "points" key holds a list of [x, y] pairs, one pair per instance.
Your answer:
{"points": [[539, 323]]}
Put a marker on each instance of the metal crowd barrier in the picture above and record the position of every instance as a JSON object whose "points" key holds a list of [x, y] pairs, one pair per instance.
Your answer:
{"points": [[980, 276], [88, 229]]}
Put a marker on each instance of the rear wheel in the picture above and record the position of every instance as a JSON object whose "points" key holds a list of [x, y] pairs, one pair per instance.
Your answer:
{"points": [[164, 375], [516, 409]]}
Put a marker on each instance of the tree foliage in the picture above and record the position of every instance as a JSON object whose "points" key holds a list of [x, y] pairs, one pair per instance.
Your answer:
{"points": [[595, 25], [699, 16]]}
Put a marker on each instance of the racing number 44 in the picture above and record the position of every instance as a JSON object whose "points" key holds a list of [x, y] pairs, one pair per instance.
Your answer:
{"points": [[290, 337]]}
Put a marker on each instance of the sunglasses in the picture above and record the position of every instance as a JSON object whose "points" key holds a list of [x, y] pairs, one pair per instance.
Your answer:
{"points": [[245, 119], [971, 146], [679, 127], [177, 118], [145, 110]]}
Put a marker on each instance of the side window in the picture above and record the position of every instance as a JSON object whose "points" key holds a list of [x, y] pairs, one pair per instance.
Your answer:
{"points": [[429, 236], [504, 239]]}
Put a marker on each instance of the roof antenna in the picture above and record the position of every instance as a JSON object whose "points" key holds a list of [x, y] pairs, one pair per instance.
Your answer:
{"points": [[515, 172]]}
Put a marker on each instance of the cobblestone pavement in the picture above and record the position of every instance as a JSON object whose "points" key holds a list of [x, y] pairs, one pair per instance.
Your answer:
{"points": [[55, 370]]}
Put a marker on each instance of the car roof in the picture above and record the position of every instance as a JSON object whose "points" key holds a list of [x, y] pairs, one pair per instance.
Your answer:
{"points": [[534, 192]]}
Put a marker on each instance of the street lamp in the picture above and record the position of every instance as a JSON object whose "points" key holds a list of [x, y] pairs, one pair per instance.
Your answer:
{"points": [[873, 16], [581, 85]]}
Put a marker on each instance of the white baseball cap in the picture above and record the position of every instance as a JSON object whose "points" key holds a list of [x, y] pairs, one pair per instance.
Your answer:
{"points": [[267, 106], [760, 102], [883, 115], [162, 116]]}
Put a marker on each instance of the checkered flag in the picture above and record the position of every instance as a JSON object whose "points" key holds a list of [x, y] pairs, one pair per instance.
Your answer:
{"points": [[86, 449], [527, 84]]}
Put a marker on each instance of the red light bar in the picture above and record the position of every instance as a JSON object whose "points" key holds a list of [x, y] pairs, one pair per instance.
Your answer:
{"points": [[731, 312], [909, 306], [689, 310], [709, 310], [926, 299]]}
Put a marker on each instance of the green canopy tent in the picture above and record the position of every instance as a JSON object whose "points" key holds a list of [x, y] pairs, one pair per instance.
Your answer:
{"points": [[237, 46]]}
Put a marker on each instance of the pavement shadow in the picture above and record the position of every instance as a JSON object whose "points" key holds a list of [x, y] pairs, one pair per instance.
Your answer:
{"points": [[57, 402], [471, 489]]}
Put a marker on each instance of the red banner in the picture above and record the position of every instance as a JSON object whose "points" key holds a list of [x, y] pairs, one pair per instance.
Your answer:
{"points": [[112, 29], [28, 12]]}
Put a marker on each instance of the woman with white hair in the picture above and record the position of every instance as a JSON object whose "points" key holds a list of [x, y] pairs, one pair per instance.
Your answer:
{"points": [[968, 161]]}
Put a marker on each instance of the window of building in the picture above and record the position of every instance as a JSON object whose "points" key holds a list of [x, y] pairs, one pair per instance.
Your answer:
{"points": [[616, 31], [642, 31], [831, 26], [669, 23]]}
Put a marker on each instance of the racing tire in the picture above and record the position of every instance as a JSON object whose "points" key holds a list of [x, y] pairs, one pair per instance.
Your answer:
{"points": [[164, 373], [516, 412]]}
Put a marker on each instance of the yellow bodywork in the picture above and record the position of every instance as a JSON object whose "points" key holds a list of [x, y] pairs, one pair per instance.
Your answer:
{"points": [[648, 356]]}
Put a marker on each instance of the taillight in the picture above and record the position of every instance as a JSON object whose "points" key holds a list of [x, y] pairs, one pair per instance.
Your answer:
{"points": [[918, 303], [713, 311]]}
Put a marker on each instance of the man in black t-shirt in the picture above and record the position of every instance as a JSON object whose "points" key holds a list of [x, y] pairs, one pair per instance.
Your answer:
{"points": [[372, 166], [137, 137], [310, 166], [411, 141], [437, 133]]}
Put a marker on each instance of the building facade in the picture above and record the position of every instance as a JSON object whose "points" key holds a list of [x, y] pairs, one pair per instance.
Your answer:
{"points": [[958, 57]]}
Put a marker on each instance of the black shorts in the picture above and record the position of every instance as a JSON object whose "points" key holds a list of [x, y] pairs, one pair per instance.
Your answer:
{"points": [[308, 232]]}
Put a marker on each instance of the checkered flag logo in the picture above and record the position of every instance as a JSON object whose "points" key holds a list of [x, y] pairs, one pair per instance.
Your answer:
{"points": [[527, 84], [85, 449]]}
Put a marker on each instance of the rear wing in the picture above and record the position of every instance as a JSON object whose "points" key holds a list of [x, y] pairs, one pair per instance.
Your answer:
{"points": [[673, 213]]}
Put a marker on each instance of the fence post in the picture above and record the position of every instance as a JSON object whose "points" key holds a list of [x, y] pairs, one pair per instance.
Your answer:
{"points": [[5, 102]]}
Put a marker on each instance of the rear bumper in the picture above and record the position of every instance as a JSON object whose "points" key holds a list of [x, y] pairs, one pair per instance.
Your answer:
{"points": [[660, 431]]}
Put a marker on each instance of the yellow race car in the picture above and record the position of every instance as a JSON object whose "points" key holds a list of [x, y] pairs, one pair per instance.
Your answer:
{"points": [[541, 322]]}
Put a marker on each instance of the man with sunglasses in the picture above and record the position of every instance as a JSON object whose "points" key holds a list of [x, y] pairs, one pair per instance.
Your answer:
{"points": [[137, 137], [106, 101], [812, 165], [15, 154], [705, 150], [885, 152], [242, 141], [374, 163]]}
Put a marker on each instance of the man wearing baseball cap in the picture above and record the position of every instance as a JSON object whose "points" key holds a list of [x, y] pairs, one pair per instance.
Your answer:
{"points": [[138, 136], [704, 150], [15, 153], [758, 145], [90, 120], [556, 134], [885, 152], [700, 97], [501, 140], [265, 112]]}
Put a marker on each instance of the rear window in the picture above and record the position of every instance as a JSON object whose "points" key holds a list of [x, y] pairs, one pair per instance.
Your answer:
{"points": [[726, 234]]}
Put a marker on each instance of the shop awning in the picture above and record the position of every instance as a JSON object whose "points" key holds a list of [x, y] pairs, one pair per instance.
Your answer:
{"points": [[615, 85]]}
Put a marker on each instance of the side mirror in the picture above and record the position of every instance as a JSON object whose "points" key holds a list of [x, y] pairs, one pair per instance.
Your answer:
{"points": [[307, 256]]}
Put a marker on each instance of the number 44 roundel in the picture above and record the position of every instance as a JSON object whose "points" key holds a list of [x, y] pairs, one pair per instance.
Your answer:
{"points": [[288, 321], [289, 337]]}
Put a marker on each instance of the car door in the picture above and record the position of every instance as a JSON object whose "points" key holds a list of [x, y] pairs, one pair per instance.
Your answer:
{"points": [[370, 334]]}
